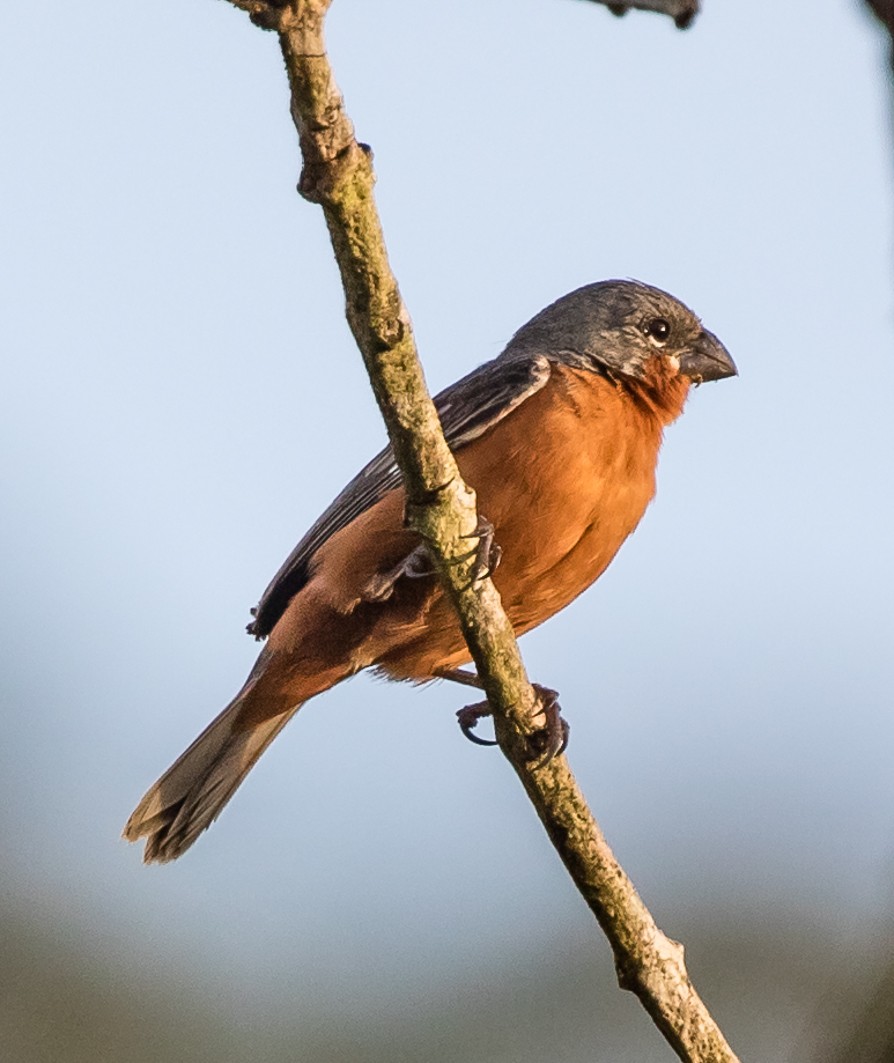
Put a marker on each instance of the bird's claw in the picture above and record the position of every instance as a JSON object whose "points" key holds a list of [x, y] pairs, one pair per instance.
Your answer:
{"points": [[416, 565], [552, 740], [487, 553], [544, 744], [469, 716]]}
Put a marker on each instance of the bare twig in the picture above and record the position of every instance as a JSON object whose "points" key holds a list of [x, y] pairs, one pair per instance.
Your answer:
{"points": [[884, 12], [681, 11], [338, 175]]}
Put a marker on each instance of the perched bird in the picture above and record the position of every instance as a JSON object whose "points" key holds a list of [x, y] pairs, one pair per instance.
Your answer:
{"points": [[559, 437]]}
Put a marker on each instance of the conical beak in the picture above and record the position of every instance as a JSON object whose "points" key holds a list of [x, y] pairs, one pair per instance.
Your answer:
{"points": [[707, 359]]}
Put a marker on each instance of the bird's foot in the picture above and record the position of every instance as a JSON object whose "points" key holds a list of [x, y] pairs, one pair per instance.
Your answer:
{"points": [[543, 745], [416, 565], [468, 717], [487, 553], [552, 740]]}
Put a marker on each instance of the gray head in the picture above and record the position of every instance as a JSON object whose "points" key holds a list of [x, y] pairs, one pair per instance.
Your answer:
{"points": [[620, 326]]}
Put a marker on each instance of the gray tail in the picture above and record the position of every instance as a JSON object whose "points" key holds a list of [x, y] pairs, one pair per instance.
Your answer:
{"points": [[191, 794]]}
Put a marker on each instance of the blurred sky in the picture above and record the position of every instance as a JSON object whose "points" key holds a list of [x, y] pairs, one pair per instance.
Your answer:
{"points": [[181, 397]]}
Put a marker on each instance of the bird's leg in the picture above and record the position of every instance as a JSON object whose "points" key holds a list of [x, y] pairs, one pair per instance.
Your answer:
{"points": [[460, 675], [416, 565], [469, 716], [551, 741]]}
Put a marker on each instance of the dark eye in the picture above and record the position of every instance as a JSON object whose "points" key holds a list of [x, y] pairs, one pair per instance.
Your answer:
{"points": [[658, 330]]}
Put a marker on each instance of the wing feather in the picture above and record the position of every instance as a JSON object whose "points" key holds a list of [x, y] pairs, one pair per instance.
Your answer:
{"points": [[467, 410]]}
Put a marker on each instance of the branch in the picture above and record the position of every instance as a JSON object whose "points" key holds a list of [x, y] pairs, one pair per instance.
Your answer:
{"points": [[681, 11], [884, 12], [338, 174]]}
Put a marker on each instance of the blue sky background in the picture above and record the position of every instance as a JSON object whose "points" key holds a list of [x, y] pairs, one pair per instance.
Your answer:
{"points": [[181, 397]]}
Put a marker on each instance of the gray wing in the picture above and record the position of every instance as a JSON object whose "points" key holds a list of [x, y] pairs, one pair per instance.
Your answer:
{"points": [[467, 409]]}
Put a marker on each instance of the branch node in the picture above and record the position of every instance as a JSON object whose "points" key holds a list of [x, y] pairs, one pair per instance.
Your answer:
{"points": [[417, 511], [268, 14], [682, 12], [321, 177], [390, 328]]}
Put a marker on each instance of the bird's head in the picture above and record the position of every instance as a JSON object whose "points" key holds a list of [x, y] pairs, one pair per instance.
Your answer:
{"points": [[630, 331]]}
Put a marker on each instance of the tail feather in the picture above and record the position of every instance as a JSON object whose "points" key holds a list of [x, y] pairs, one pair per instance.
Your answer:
{"points": [[193, 791]]}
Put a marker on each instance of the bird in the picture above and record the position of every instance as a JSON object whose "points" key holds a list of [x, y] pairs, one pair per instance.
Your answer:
{"points": [[559, 436]]}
